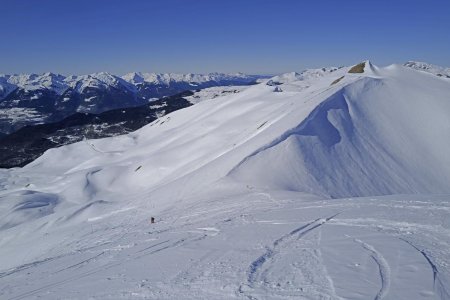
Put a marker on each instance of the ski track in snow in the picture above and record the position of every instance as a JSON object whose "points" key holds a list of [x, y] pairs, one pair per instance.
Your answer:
{"points": [[438, 284], [139, 254], [384, 269], [305, 272], [26, 266], [81, 262], [259, 269]]}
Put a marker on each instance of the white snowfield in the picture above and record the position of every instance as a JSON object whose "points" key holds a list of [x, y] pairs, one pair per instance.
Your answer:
{"points": [[329, 186], [214, 92]]}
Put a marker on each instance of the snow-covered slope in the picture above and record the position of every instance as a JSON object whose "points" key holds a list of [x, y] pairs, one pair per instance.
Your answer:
{"points": [[240, 186], [26, 144], [368, 138], [214, 92], [306, 75], [430, 68]]}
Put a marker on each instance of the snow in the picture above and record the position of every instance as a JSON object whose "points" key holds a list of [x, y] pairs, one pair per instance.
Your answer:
{"points": [[32, 82], [344, 149], [157, 106], [89, 99], [193, 79], [22, 114], [429, 68], [257, 248], [214, 92], [103, 80], [5, 87], [321, 191], [303, 76]]}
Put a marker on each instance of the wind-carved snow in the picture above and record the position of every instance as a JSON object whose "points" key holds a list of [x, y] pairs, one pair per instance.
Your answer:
{"points": [[343, 149], [240, 186]]}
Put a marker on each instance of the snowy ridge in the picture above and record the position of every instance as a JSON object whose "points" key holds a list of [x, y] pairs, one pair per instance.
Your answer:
{"points": [[430, 68], [59, 83], [168, 78], [214, 92], [306, 75], [240, 187], [31, 82], [315, 154], [98, 80]]}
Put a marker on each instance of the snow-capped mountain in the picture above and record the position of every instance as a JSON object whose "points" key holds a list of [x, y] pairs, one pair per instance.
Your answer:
{"points": [[31, 82], [34, 99], [318, 187], [193, 79], [5, 86], [152, 85], [430, 68]]}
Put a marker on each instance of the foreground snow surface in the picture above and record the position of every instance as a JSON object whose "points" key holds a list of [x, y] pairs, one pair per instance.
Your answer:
{"points": [[332, 186], [250, 244]]}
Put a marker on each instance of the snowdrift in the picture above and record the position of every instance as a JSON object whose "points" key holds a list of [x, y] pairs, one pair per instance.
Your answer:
{"points": [[375, 136]]}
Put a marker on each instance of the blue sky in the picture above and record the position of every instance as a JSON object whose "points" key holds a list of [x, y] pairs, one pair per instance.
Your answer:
{"points": [[252, 36]]}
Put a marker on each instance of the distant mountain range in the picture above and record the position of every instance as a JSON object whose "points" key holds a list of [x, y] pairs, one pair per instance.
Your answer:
{"points": [[36, 99]]}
